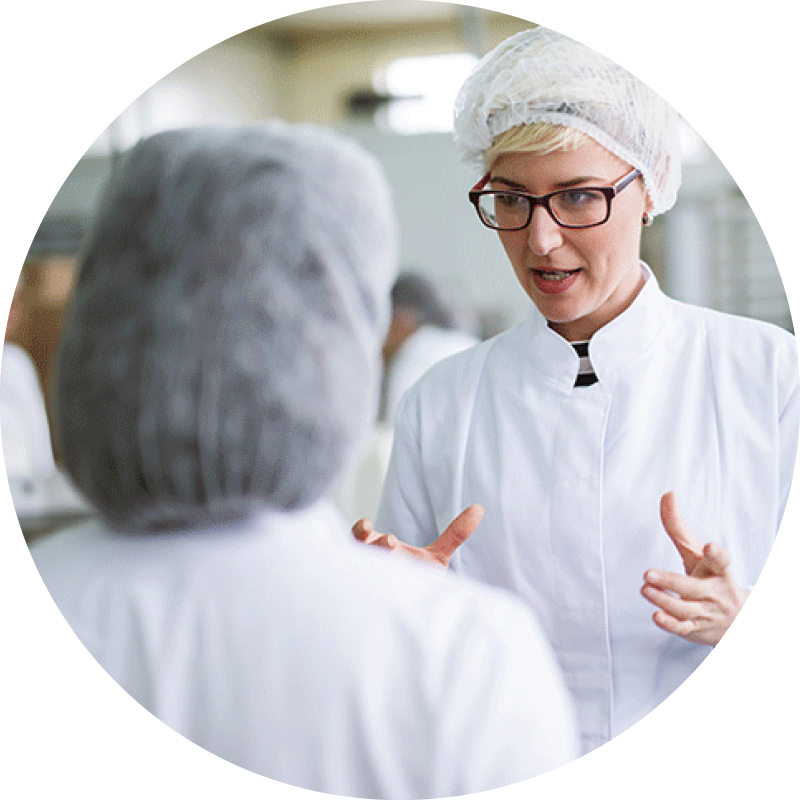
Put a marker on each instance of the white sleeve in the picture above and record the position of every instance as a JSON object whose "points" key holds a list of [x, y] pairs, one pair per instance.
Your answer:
{"points": [[405, 508]]}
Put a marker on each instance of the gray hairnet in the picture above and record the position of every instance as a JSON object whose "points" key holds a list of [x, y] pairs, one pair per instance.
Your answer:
{"points": [[222, 347], [540, 75]]}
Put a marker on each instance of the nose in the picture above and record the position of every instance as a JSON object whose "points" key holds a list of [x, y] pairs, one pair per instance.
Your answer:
{"points": [[544, 233]]}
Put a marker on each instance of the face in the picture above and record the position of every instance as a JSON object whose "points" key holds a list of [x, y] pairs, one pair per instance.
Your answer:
{"points": [[578, 279]]}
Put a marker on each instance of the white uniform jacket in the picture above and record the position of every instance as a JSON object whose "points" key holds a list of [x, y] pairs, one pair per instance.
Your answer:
{"points": [[41, 492], [284, 646], [688, 399]]}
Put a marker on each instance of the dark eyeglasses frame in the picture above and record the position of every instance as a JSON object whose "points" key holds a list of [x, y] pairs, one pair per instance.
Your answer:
{"points": [[610, 193]]}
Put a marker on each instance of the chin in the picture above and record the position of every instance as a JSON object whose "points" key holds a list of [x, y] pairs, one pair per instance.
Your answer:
{"points": [[556, 316]]}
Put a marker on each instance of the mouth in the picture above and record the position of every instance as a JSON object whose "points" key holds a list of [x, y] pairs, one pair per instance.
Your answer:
{"points": [[554, 275], [551, 281]]}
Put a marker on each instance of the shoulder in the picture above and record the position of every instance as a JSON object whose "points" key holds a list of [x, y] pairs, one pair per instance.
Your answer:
{"points": [[733, 337], [460, 372], [724, 326]]}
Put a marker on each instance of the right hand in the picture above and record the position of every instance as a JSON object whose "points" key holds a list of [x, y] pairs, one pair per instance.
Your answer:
{"points": [[439, 552]]}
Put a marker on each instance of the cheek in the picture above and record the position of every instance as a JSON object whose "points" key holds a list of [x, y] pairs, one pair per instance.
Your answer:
{"points": [[513, 245]]}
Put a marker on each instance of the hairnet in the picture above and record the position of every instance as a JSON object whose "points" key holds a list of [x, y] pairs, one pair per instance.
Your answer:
{"points": [[539, 75], [222, 348]]}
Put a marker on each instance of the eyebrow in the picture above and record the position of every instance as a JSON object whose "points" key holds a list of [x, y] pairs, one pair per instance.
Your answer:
{"points": [[562, 185]]}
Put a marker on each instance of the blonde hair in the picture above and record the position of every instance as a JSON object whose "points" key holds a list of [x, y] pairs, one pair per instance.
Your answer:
{"points": [[538, 137]]}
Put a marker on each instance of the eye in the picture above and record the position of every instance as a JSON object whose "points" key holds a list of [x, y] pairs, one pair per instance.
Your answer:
{"points": [[579, 198], [510, 202]]}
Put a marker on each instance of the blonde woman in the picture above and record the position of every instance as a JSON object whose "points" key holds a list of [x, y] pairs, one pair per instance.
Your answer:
{"points": [[632, 455]]}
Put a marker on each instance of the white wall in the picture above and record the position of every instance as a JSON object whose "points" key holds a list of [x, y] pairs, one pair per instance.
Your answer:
{"points": [[440, 232]]}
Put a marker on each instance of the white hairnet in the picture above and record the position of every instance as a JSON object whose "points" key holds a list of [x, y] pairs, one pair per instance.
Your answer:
{"points": [[222, 348], [539, 75]]}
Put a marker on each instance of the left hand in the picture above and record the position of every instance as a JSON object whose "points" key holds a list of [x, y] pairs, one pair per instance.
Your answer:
{"points": [[701, 605]]}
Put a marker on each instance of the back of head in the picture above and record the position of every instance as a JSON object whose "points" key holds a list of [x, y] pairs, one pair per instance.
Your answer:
{"points": [[222, 347], [540, 76], [414, 293]]}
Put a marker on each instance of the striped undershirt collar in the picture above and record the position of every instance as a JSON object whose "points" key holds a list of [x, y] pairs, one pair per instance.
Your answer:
{"points": [[586, 375]]}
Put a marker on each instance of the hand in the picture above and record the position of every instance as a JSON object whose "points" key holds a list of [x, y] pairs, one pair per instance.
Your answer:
{"points": [[439, 552], [701, 605]]}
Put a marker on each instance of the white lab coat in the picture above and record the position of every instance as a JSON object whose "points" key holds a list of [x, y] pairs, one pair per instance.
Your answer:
{"points": [[284, 646], [25, 430], [42, 494], [688, 399], [419, 352]]}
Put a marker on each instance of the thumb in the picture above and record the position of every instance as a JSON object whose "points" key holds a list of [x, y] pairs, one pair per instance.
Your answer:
{"points": [[689, 547], [456, 533], [715, 561]]}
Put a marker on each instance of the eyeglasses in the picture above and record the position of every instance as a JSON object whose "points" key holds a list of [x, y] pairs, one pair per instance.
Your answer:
{"points": [[581, 207]]}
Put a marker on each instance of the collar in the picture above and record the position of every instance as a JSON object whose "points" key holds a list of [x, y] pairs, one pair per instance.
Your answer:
{"points": [[610, 349]]}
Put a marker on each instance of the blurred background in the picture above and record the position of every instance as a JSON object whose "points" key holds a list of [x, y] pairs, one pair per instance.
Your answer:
{"points": [[386, 72]]}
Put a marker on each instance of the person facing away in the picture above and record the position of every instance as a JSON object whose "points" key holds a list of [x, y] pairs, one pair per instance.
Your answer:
{"points": [[42, 495], [633, 454], [219, 362], [422, 331]]}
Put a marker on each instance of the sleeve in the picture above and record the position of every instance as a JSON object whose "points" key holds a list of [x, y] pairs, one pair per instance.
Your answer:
{"points": [[498, 725], [405, 508]]}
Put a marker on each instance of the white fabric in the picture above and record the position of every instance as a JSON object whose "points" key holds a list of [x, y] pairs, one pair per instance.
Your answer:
{"points": [[39, 490], [688, 399], [285, 646], [540, 75], [23, 418], [425, 347]]}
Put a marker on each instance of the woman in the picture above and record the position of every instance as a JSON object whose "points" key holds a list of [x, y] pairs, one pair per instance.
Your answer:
{"points": [[581, 430], [219, 362]]}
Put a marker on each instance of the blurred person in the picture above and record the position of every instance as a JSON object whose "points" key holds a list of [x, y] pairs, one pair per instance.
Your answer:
{"points": [[42, 495], [43, 289], [422, 331], [633, 454], [219, 362]]}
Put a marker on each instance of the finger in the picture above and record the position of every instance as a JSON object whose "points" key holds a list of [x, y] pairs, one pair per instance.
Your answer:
{"points": [[689, 547], [688, 587], [676, 607], [456, 533], [671, 625], [362, 529], [387, 540], [715, 561]]}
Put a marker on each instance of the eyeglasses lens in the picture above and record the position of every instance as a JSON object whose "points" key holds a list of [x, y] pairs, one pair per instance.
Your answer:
{"points": [[572, 207]]}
